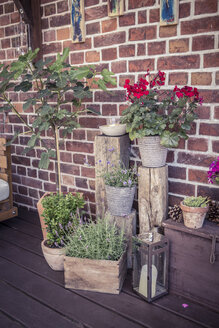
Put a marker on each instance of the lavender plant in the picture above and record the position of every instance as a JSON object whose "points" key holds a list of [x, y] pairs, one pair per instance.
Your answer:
{"points": [[60, 213], [100, 241]]}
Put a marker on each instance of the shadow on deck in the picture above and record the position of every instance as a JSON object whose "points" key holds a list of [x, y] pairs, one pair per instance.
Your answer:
{"points": [[33, 295]]}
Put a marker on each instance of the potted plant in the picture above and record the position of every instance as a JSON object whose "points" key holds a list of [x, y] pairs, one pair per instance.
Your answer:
{"points": [[194, 210], [60, 215], [54, 85], [158, 118], [120, 183], [95, 258], [213, 173]]}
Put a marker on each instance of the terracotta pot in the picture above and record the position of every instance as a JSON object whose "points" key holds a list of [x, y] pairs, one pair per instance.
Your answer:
{"points": [[40, 212], [54, 256], [193, 216], [153, 154]]}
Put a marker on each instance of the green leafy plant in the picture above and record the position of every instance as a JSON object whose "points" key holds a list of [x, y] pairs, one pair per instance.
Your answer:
{"points": [[152, 111], [53, 85], [61, 217], [120, 176], [100, 241], [196, 201]]}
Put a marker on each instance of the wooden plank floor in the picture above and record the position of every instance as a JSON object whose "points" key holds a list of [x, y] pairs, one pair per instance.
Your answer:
{"points": [[33, 295]]}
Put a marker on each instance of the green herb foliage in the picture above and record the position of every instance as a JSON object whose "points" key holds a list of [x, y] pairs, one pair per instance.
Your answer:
{"points": [[60, 216], [196, 201], [100, 241]]}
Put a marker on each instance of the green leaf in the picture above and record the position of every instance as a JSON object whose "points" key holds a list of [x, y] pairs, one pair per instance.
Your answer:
{"points": [[102, 85], [44, 161], [29, 103], [32, 142], [90, 109], [23, 86], [13, 139], [169, 139], [5, 108], [79, 73]]}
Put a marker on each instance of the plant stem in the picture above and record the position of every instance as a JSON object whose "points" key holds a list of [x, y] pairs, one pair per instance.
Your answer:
{"points": [[58, 170]]}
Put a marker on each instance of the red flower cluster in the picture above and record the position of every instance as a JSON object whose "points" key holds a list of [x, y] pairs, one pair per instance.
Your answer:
{"points": [[139, 89], [188, 92]]}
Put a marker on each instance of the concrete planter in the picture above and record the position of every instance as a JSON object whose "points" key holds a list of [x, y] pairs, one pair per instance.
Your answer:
{"points": [[120, 200], [53, 256], [151, 151], [193, 216]]}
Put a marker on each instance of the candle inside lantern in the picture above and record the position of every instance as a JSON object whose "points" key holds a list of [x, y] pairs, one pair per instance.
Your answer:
{"points": [[143, 285]]}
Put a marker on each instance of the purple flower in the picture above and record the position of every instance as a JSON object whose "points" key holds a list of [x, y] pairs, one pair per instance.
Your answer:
{"points": [[56, 244], [111, 149], [124, 183], [62, 243], [129, 182], [108, 162], [69, 224], [56, 233], [61, 227]]}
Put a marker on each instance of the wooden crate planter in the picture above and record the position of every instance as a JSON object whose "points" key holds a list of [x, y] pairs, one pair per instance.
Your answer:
{"points": [[95, 275], [194, 261]]}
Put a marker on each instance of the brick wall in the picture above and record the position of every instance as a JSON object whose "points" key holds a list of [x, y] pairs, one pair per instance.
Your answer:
{"points": [[126, 45]]}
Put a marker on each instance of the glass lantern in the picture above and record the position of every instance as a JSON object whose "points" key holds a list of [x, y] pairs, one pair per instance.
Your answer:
{"points": [[150, 265]]}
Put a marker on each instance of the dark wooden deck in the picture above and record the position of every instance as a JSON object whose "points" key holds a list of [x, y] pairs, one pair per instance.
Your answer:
{"points": [[33, 295]]}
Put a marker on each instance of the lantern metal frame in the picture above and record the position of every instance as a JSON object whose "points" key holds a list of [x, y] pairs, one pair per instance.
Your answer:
{"points": [[151, 247]]}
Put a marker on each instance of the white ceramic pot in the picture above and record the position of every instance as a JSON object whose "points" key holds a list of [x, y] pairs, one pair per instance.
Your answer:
{"points": [[113, 130], [54, 256], [153, 154]]}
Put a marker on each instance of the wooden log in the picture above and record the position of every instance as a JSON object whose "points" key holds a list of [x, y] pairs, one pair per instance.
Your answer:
{"points": [[108, 150], [95, 275], [152, 197], [128, 223]]}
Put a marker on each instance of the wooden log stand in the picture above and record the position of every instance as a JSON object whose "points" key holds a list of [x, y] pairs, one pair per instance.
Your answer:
{"points": [[128, 223], [7, 210], [108, 150], [152, 197]]}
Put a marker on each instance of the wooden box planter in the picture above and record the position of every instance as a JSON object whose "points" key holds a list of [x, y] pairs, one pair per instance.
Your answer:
{"points": [[194, 261], [95, 275]]}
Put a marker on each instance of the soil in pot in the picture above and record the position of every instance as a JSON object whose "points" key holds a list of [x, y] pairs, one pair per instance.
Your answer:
{"points": [[53, 256]]}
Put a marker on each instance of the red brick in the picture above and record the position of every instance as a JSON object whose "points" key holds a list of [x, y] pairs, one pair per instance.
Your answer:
{"points": [[174, 200], [92, 56], [211, 192], [49, 187], [142, 17], [5, 20], [78, 46], [91, 122], [50, 9], [66, 157], [143, 33], [1, 9], [2, 32], [203, 42], [5, 43], [15, 17], [88, 172], [140, 3], [184, 10], [93, 28], [23, 200], [154, 15], [63, 33], [141, 49], [119, 67], [43, 175], [200, 25], [95, 13], [21, 170], [50, 48], [198, 176], [109, 39], [203, 112], [79, 159], [109, 54], [49, 36], [217, 78], [109, 110], [79, 147], [181, 188], [211, 60], [201, 78], [141, 65], [174, 62], [34, 193], [2, 55], [127, 51], [113, 96], [109, 25], [215, 146], [70, 169], [195, 159], [32, 173], [127, 19], [62, 6], [122, 79], [77, 58], [176, 172], [9, 8], [206, 7], [216, 113], [209, 96], [167, 31], [156, 48], [92, 185], [62, 20], [91, 134], [31, 182], [9, 30], [79, 134], [44, 23], [209, 129], [179, 45], [81, 183], [178, 78], [89, 3], [198, 144]]}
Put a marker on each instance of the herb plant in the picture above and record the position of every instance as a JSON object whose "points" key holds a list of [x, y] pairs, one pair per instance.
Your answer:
{"points": [[60, 213], [100, 241], [196, 201], [151, 112]]}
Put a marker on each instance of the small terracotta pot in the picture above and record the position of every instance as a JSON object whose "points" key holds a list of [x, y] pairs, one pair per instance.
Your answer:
{"points": [[193, 216], [54, 256]]}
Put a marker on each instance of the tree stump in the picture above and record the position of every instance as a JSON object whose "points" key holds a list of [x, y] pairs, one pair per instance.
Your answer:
{"points": [[152, 197], [108, 151], [128, 223]]}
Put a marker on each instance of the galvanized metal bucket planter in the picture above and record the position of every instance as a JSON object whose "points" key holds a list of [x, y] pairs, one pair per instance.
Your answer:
{"points": [[153, 154], [120, 200]]}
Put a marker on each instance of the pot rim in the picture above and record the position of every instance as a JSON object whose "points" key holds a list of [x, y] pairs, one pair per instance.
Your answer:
{"points": [[193, 209]]}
